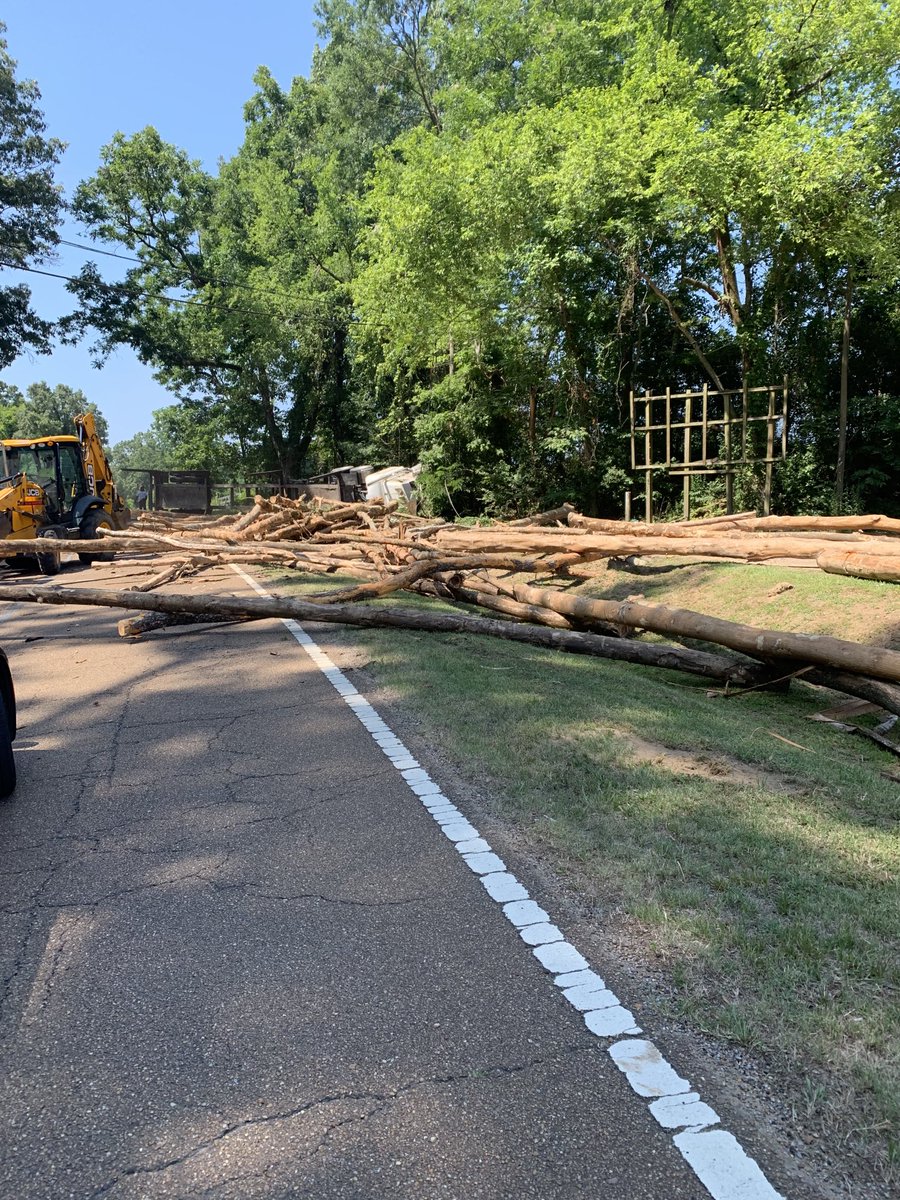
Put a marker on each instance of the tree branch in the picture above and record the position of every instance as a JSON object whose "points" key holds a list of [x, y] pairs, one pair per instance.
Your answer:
{"points": [[677, 319]]}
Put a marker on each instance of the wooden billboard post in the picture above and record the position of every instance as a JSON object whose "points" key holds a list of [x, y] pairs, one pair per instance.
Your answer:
{"points": [[720, 429]]}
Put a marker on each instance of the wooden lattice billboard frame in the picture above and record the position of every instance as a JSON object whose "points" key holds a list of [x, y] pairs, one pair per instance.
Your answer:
{"points": [[708, 432]]}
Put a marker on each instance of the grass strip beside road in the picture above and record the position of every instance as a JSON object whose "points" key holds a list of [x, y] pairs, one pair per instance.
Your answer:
{"points": [[760, 875]]}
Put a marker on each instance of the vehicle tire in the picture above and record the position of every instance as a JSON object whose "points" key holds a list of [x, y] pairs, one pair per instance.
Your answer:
{"points": [[48, 564], [94, 524], [7, 761]]}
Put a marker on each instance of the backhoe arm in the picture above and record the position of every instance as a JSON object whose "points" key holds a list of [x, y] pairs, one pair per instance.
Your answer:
{"points": [[97, 468]]}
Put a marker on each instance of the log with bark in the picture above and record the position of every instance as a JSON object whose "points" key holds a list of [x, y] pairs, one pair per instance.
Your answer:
{"points": [[685, 531], [883, 694], [553, 541], [429, 566], [868, 521], [769, 645], [147, 622], [676, 658], [553, 516], [860, 565], [746, 522]]}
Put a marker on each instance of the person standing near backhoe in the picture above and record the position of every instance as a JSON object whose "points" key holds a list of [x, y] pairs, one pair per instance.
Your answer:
{"points": [[140, 498]]}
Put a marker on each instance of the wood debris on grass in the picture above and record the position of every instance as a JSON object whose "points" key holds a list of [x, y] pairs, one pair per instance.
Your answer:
{"points": [[387, 551]]}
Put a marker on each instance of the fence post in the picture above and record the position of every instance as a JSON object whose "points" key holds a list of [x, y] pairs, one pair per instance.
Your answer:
{"points": [[729, 476], [687, 455], [770, 453]]}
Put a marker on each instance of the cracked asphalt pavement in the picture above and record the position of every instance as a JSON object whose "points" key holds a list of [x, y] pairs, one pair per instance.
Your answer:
{"points": [[240, 960]]}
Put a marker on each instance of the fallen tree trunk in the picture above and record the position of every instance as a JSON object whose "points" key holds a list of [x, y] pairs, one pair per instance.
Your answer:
{"points": [[860, 565], [868, 521], [751, 548], [722, 519], [149, 621], [765, 644], [138, 544], [685, 532], [510, 608], [675, 658]]}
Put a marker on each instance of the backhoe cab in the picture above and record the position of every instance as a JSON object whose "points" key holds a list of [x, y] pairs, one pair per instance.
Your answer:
{"points": [[58, 487]]}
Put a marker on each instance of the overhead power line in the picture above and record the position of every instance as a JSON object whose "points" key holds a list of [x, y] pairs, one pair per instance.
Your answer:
{"points": [[213, 280], [95, 250], [124, 287]]}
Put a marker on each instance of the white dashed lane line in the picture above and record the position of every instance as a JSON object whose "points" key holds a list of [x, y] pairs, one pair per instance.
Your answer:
{"points": [[713, 1154]]}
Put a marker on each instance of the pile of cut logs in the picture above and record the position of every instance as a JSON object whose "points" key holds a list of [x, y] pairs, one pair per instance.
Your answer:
{"points": [[366, 538], [494, 567]]}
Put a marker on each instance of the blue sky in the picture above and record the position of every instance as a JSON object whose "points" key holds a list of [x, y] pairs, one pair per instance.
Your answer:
{"points": [[187, 69]]}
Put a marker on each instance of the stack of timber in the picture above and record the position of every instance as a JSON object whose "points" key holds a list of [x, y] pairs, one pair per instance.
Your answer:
{"points": [[495, 568], [370, 540]]}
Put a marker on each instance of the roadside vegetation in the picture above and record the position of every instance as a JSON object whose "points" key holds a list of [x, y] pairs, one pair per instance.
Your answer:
{"points": [[474, 228], [753, 853]]}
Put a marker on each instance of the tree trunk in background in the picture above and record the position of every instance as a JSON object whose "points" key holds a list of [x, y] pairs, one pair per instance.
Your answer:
{"points": [[845, 379]]}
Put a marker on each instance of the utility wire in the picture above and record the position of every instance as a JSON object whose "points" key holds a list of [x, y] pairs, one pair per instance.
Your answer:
{"points": [[124, 287], [225, 283], [95, 250]]}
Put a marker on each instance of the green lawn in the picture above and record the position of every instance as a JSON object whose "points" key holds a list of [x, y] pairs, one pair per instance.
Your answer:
{"points": [[773, 902]]}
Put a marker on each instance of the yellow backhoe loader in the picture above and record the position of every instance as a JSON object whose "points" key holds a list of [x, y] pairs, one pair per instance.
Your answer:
{"points": [[58, 487]]}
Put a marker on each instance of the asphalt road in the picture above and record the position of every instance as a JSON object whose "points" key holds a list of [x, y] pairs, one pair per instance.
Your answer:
{"points": [[241, 960]]}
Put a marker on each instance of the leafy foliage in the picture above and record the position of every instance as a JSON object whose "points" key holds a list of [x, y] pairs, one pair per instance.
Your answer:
{"points": [[45, 411], [479, 225], [30, 205]]}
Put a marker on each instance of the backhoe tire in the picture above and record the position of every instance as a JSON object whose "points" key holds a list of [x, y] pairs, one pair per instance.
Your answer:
{"points": [[7, 761], [48, 564], [93, 525]]}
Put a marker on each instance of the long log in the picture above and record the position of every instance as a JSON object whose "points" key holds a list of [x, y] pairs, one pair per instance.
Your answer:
{"points": [[510, 608], [686, 530], [860, 565], [767, 644], [503, 590], [134, 544], [675, 658], [875, 521], [722, 519], [578, 520], [751, 548], [126, 542]]}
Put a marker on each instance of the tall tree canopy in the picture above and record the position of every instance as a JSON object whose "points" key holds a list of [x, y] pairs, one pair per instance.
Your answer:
{"points": [[45, 411], [479, 224]]}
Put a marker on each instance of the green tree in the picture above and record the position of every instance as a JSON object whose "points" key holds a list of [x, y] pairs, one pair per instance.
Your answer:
{"points": [[478, 225], [232, 317], [12, 403], [51, 410], [30, 202], [639, 198], [178, 439]]}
